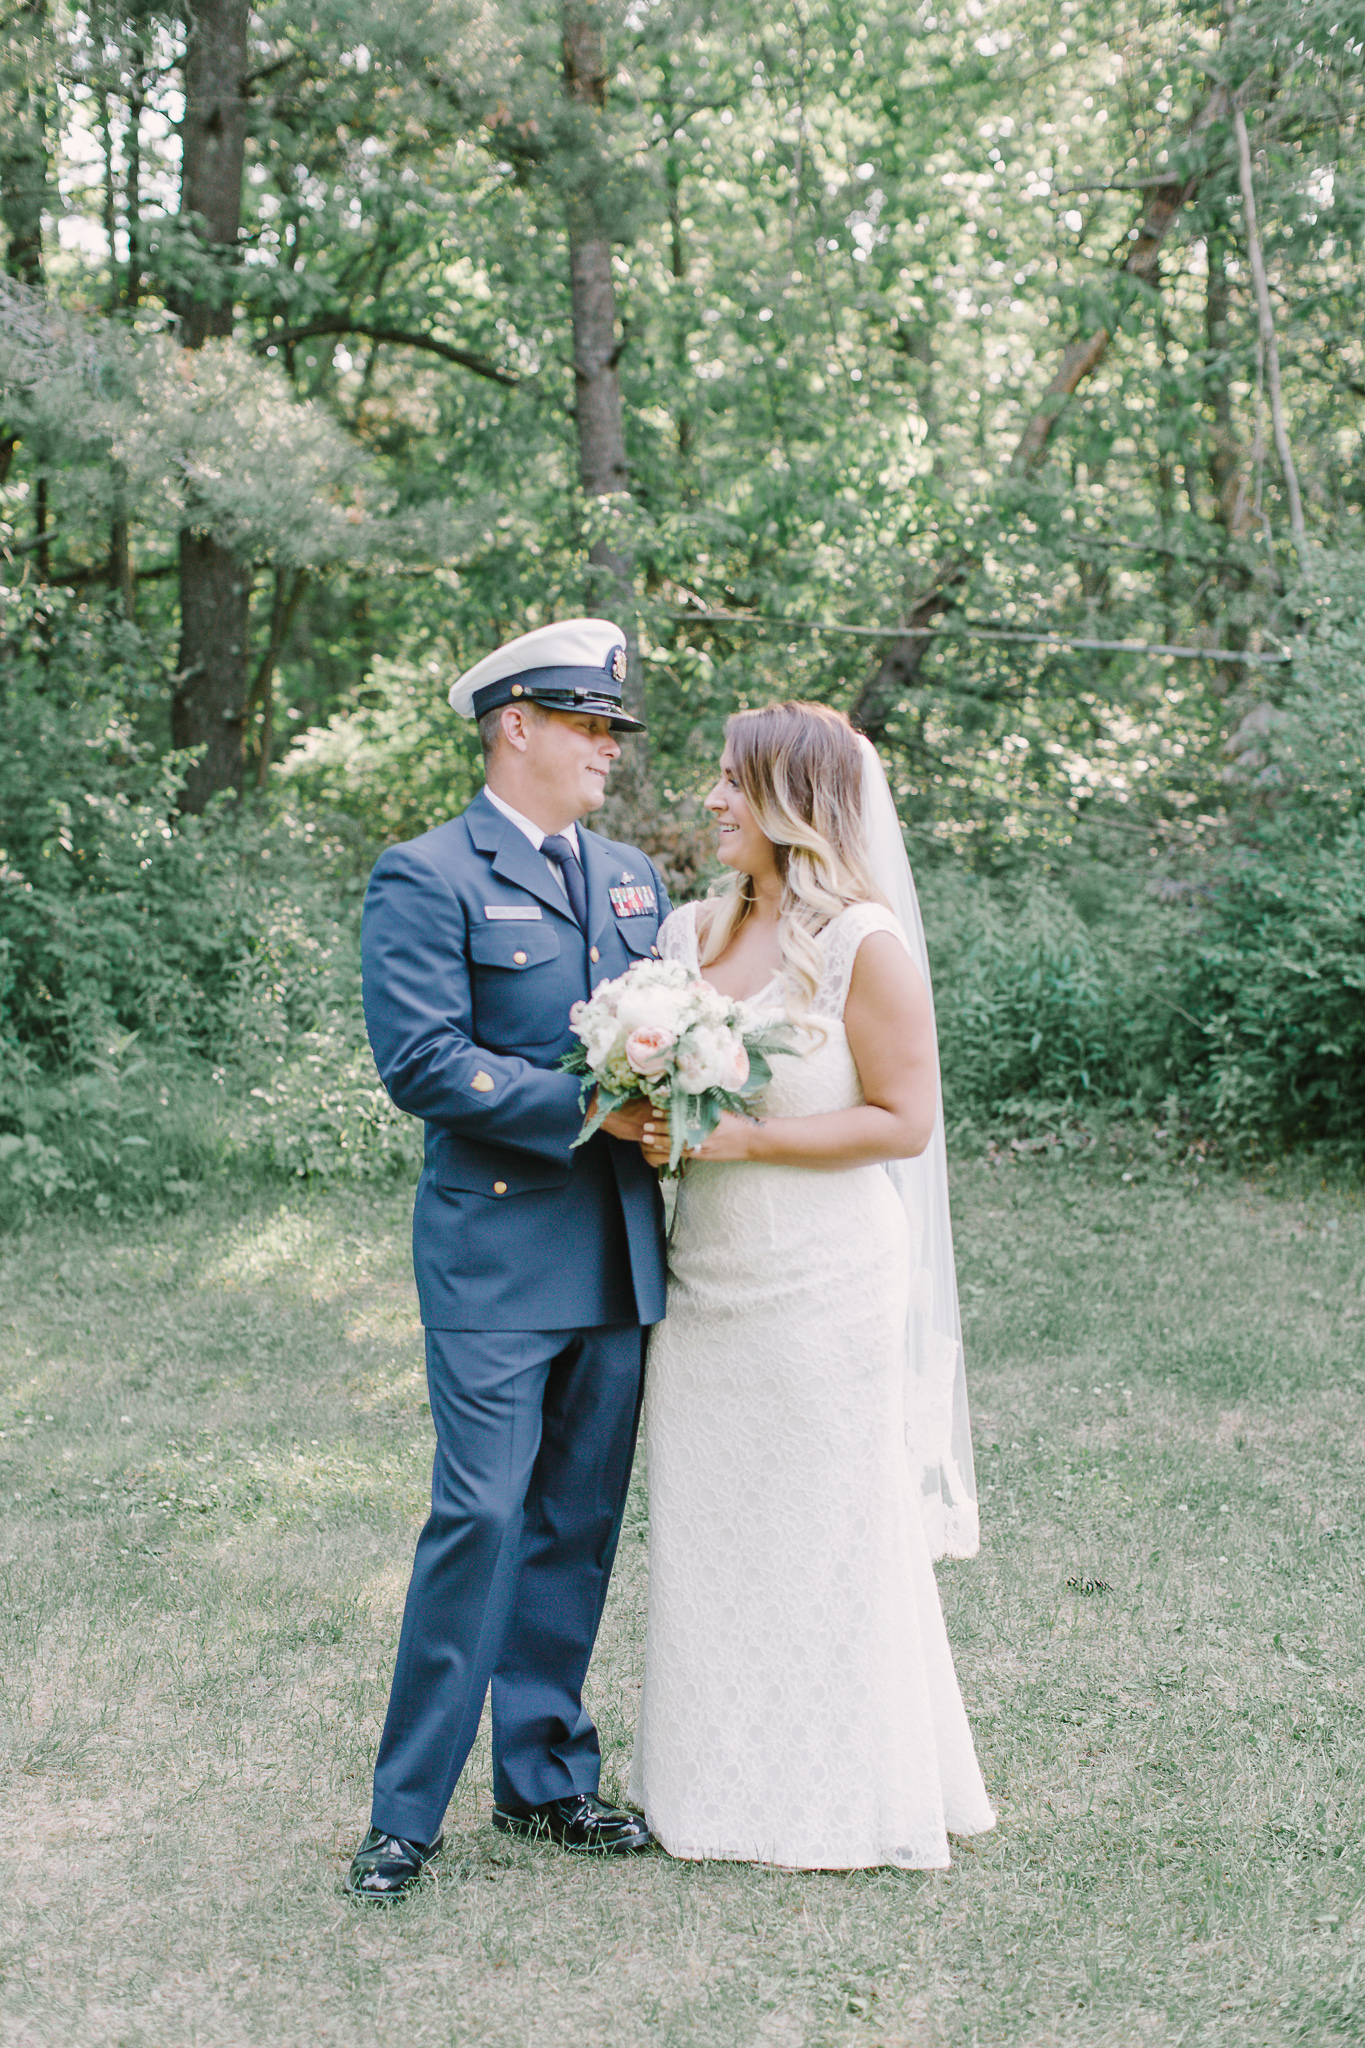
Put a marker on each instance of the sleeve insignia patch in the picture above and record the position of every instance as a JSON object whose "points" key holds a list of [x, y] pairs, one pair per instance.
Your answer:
{"points": [[483, 1083], [635, 899]]}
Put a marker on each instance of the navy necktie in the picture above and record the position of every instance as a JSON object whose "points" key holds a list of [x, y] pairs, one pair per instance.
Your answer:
{"points": [[558, 849]]}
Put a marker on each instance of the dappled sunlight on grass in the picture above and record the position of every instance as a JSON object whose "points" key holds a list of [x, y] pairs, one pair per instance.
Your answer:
{"points": [[301, 1245], [203, 1557]]}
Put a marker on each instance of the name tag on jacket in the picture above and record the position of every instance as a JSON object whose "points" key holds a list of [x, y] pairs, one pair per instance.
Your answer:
{"points": [[512, 913], [635, 899]]}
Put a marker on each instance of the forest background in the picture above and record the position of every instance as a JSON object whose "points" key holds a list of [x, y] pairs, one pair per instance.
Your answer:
{"points": [[925, 362]]}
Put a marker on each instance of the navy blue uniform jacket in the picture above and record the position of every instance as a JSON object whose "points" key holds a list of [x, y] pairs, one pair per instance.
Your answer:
{"points": [[472, 959]]}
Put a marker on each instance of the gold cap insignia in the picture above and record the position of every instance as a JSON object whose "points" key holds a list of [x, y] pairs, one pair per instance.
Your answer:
{"points": [[618, 665], [483, 1083]]}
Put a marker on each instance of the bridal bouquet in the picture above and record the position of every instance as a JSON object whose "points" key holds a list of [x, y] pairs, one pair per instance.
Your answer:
{"points": [[659, 1033]]}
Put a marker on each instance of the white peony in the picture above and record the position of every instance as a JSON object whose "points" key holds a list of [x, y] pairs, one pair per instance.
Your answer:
{"points": [[647, 1005], [704, 1059]]}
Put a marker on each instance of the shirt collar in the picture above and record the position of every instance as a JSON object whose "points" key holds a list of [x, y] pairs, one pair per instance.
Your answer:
{"points": [[525, 825]]}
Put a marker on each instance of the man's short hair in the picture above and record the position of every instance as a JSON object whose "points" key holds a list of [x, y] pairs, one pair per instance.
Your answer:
{"points": [[490, 725]]}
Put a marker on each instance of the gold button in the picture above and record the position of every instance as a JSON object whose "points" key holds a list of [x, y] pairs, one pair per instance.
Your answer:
{"points": [[519, 959], [655, 951], [517, 690], [593, 953], [500, 1187]]}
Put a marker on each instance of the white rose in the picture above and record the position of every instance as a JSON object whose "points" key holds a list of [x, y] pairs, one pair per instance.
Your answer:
{"points": [[645, 1005], [704, 1059], [603, 1035]]}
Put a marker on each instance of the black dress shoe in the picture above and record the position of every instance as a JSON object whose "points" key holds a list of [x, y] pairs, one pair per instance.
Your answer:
{"points": [[578, 1822], [384, 1867]]}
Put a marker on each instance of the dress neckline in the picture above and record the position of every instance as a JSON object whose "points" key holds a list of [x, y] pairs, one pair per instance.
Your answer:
{"points": [[748, 1001]]}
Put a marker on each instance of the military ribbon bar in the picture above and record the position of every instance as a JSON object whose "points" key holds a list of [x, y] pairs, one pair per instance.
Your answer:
{"points": [[636, 899]]}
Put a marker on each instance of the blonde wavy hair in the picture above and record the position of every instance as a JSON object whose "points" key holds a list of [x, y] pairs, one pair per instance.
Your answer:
{"points": [[800, 767]]}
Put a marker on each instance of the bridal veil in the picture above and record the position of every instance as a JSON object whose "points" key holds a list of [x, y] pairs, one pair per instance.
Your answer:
{"points": [[938, 1429]]}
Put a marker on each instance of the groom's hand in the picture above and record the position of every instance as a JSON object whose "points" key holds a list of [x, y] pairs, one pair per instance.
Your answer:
{"points": [[628, 1122]]}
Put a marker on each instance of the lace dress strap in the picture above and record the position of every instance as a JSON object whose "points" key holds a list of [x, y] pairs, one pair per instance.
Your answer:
{"points": [[839, 942], [678, 936]]}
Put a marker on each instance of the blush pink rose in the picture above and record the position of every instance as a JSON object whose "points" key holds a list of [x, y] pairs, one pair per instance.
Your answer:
{"points": [[647, 1049], [736, 1066]]}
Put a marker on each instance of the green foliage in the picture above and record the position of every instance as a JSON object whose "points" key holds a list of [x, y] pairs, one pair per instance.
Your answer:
{"points": [[1279, 973], [213, 438], [1042, 1011], [323, 1112], [156, 971], [1278, 979], [394, 763], [850, 246]]}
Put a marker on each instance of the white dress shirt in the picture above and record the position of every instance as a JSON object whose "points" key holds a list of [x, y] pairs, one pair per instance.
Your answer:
{"points": [[534, 833]]}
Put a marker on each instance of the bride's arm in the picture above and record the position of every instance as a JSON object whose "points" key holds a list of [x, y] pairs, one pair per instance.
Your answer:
{"points": [[891, 1036]]}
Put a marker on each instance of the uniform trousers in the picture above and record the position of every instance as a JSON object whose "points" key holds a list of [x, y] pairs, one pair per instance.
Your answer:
{"points": [[535, 1433]]}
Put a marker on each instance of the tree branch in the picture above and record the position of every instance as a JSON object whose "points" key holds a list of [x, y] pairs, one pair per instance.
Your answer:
{"points": [[399, 337], [1135, 258], [1140, 253]]}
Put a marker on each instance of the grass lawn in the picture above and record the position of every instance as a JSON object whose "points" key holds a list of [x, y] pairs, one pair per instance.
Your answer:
{"points": [[214, 1451]]}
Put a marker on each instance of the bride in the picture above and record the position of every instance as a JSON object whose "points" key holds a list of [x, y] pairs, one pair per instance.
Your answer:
{"points": [[806, 1409]]}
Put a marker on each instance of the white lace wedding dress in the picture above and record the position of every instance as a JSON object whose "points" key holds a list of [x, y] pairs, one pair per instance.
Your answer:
{"points": [[800, 1705]]}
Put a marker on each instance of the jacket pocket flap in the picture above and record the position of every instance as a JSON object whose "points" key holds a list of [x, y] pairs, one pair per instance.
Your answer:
{"points": [[490, 1170], [639, 935], [514, 946]]}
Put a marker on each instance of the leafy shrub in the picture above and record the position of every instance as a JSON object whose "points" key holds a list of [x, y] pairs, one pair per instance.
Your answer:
{"points": [[398, 762], [155, 970], [1277, 976], [115, 916], [1278, 980], [325, 1113], [1036, 1006]]}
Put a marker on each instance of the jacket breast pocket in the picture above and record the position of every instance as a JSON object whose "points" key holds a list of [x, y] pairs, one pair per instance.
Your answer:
{"points": [[639, 935], [518, 985]]}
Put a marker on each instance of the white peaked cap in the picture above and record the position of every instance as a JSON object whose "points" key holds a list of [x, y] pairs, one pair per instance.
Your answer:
{"points": [[575, 664]]}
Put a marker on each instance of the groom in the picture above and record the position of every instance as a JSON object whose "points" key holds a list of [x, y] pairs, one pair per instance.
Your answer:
{"points": [[538, 1267]]}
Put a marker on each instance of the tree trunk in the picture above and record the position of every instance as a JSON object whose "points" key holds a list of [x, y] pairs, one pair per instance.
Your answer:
{"points": [[23, 188], [132, 186], [213, 141], [602, 467], [121, 547], [1226, 461], [1268, 341], [1225, 451], [283, 607], [209, 707], [23, 142], [900, 665]]}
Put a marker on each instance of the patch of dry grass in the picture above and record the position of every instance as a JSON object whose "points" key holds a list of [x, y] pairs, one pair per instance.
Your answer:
{"points": [[214, 1459]]}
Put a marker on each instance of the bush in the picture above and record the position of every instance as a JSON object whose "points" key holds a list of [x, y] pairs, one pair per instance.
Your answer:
{"points": [[1278, 974], [1040, 1008], [156, 971]]}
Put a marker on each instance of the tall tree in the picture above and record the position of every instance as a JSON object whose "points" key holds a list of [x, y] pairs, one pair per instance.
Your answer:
{"points": [[209, 708], [23, 182], [602, 466]]}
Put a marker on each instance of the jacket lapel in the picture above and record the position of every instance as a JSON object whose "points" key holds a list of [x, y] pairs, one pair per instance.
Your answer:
{"points": [[514, 858], [599, 875]]}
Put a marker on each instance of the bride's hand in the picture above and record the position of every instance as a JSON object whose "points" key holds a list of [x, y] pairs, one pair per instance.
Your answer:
{"points": [[730, 1140]]}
